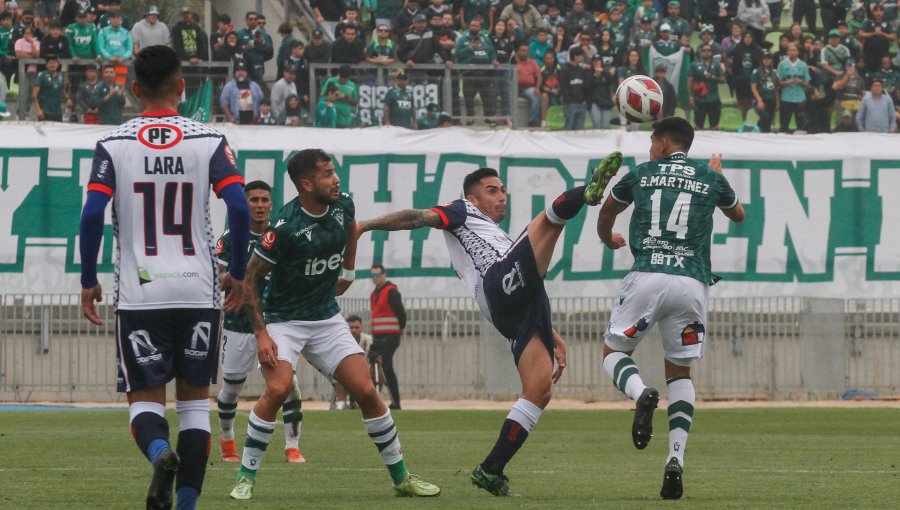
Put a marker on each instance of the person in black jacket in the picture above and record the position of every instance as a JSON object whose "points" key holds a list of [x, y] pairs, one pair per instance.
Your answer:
{"points": [[601, 87], [189, 40], [349, 49], [670, 97], [418, 46], [573, 81]]}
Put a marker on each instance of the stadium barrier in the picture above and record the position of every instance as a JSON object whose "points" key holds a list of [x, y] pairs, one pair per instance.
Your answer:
{"points": [[775, 348]]}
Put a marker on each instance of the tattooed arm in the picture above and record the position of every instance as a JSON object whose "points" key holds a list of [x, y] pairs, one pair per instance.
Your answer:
{"points": [[407, 219], [266, 350]]}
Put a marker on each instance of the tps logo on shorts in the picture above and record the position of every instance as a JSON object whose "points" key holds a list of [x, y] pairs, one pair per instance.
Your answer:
{"points": [[638, 326], [268, 239], [141, 344], [693, 334], [199, 341], [160, 136]]}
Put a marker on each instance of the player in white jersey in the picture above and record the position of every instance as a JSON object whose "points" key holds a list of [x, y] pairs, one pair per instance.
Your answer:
{"points": [[159, 169], [507, 280]]}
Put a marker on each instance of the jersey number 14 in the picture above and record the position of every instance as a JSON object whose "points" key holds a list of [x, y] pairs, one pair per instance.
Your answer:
{"points": [[677, 218], [170, 228]]}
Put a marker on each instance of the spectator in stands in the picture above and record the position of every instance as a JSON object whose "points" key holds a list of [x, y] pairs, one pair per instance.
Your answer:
{"points": [[644, 35], [584, 41], [328, 13], [46, 10], [888, 75], [446, 37], [291, 112], [475, 48], [747, 56], [848, 40], [835, 57], [417, 46], [7, 55], [857, 19], [665, 44], [549, 84], [113, 7], [793, 80], [406, 18], [445, 120], [562, 41], [470, 9], [48, 91], [503, 42], [399, 108], [349, 49], [703, 85], [754, 14], [632, 65], [529, 75], [319, 50], [82, 38], [350, 19], [26, 20], [241, 97], [382, 49], [257, 47], [326, 113], [553, 18], [574, 79], [527, 17], [428, 119], [607, 51], [286, 30], [877, 36], [846, 123], [265, 114], [646, 10], [679, 25], [217, 39], [109, 98], [876, 113], [385, 10], [70, 10], [284, 87], [831, 11], [850, 88], [189, 40], [297, 60], [55, 43], [764, 86], [347, 98], [707, 36], [114, 43], [231, 49], [819, 100], [84, 98], [578, 18], [805, 9], [601, 89], [27, 46], [729, 44], [539, 45], [775, 9], [150, 31], [783, 41], [670, 97]]}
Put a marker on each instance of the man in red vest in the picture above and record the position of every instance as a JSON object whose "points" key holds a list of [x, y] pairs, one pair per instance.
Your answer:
{"points": [[388, 321]]}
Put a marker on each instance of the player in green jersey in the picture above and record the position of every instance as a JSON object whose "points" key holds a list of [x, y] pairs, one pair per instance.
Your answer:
{"points": [[674, 200], [239, 344], [310, 253]]}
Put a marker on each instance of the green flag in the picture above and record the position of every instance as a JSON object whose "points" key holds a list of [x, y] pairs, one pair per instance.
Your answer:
{"points": [[678, 67], [197, 106]]}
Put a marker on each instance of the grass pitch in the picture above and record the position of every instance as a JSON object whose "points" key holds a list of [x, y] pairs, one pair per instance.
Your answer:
{"points": [[736, 458]]}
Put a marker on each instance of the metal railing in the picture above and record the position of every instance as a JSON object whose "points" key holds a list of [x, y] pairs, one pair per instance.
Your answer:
{"points": [[756, 348], [453, 89]]}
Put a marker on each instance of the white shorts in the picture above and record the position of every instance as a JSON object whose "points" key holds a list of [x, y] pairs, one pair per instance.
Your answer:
{"points": [[324, 344], [677, 303], [238, 352]]}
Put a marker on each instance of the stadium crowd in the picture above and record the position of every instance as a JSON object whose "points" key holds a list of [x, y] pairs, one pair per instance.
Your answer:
{"points": [[835, 72]]}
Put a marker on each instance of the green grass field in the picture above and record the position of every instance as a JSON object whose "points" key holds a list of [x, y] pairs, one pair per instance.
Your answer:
{"points": [[736, 458]]}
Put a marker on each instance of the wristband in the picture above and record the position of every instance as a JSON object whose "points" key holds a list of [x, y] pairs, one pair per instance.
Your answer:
{"points": [[349, 275]]}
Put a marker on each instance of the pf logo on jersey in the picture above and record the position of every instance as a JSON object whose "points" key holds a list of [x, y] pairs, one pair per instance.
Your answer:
{"points": [[268, 239], [160, 136]]}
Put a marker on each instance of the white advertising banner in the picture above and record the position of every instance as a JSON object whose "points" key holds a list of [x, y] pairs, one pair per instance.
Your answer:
{"points": [[818, 223]]}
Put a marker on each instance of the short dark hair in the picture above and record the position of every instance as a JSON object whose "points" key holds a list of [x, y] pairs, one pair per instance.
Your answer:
{"points": [[379, 266], [354, 318], [157, 70], [677, 130], [247, 15], [297, 43], [345, 71], [224, 18], [331, 88], [255, 185], [305, 162], [4, 15], [474, 178]]}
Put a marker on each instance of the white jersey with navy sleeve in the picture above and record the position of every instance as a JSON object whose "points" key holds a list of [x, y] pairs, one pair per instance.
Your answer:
{"points": [[159, 169], [474, 242]]}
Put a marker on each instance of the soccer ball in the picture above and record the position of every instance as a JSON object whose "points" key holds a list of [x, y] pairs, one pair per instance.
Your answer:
{"points": [[639, 99]]}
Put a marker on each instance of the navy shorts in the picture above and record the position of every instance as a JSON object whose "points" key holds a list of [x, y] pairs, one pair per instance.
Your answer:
{"points": [[155, 346], [517, 298]]}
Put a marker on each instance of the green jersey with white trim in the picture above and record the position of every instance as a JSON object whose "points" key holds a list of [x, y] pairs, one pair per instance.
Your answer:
{"points": [[236, 322], [308, 254], [674, 199]]}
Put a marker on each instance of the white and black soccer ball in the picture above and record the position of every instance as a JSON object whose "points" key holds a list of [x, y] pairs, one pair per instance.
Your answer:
{"points": [[639, 98]]}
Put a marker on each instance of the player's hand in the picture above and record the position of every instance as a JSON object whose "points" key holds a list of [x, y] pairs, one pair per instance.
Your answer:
{"points": [[559, 352], [88, 298], [715, 162], [266, 350], [237, 293], [616, 241]]}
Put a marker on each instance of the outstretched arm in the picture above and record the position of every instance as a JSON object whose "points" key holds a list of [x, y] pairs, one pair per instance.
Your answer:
{"points": [[735, 213], [407, 219]]}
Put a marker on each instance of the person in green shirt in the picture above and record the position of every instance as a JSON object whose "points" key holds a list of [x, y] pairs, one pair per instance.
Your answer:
{"points": [[347, 97], [703, 84], [81, 36], [399, 109], [793, 80], [7, 56], [48, 91], [429, 118], [670, 236], [326, 114], [109, 97], [764, 84]]}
